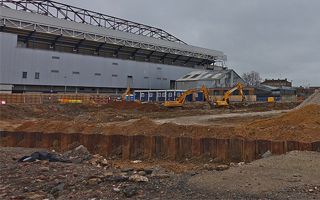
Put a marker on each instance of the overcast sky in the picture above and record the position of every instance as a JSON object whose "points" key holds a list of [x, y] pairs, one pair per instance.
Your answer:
{"points": [[277, 38]]}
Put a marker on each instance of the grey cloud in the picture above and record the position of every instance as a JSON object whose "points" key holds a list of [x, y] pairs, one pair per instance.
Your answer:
{"points": [[274, 37]]}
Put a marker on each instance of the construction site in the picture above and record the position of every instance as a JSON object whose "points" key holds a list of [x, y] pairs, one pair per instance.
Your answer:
{"points": [[135, 137]]}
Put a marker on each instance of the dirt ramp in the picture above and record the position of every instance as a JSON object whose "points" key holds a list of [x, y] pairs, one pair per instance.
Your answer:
{"points": [[313, 99]]}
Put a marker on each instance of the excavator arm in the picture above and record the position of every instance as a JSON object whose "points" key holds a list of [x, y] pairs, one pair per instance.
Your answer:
{"points": [[127, 92], [181, 100], [226, 96]]}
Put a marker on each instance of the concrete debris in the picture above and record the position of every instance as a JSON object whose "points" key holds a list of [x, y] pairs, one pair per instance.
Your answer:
{"points": [[138, 178], [266, 154], [55, 180], [142, 173], [208, 167], [130, 191], [148, 171], [127, 170], [136, 161], [160, 176], [117, 189], [78, 155], [99, 161], [222, 167], [94, 181]]}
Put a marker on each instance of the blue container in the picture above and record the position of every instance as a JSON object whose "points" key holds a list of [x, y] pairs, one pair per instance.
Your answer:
{"points": [[170, 96], [132, 98], [189, 97], [152, 96], [262, 99], [199, 96], [144, 96], [161, 96], [129, 98], [178, 94], [137, 95], [277, 98]]}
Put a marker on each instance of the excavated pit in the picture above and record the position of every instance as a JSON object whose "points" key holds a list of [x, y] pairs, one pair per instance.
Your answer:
{"points": [[130, 133]]}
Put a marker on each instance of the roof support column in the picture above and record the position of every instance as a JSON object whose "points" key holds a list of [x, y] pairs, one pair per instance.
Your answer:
{"points": [[53, 44], [76, 48], [28, 37]]}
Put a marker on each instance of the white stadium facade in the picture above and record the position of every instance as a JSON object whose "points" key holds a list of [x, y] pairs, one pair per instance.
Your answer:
{"points": [[47, 46]]}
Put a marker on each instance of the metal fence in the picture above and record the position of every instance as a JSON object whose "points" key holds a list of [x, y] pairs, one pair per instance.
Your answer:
{"points": [[52, 98]]}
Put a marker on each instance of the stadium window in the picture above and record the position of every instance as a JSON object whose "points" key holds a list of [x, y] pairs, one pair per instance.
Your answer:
{"points": [[56, 57], [37, 75], [114, 75], [164, 79], [97, 74], [24, 74], [54, 71], [158, 78], [159, 68], [146, 77], [76, 73], [115, 64]]}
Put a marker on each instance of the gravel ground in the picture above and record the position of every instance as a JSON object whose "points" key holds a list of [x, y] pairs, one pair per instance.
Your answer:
{"points": [[292, 176], [295, 175], [56, 180]]}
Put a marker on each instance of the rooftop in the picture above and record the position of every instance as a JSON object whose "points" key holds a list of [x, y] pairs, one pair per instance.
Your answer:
{"points": [[54, 21]]}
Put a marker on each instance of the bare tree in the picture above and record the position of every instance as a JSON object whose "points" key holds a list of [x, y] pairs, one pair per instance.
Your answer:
{"points": [[252, 78]]}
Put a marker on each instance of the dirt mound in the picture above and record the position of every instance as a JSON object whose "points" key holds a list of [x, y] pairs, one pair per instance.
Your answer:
{"points": [[313, 99], [133, 106], [302, 125]]}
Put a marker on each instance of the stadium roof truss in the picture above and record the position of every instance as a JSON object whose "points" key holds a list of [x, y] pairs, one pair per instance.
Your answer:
{"points": [[44, 18]]}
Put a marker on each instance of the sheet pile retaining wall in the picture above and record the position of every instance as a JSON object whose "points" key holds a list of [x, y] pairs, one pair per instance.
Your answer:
{"points": [[156, 147]]}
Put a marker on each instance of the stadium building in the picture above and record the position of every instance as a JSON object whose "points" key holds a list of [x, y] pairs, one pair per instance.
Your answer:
{"points": [[47, 46]]}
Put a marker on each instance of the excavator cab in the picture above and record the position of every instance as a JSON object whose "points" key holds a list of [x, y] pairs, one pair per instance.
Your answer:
{"points": [[179, 102]]}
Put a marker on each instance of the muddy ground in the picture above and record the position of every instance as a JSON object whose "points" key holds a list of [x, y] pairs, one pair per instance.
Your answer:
{"points": [[292, 176]]}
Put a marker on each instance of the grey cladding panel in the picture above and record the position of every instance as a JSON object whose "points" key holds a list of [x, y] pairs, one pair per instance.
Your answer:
{"points": [[56, 68]]}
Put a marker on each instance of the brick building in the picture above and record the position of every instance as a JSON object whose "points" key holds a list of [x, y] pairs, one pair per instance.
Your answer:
{"points": [[277, 83]]}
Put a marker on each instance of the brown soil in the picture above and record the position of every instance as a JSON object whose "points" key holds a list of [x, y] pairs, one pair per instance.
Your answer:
{"points": [[137, 119], [302, 125]]}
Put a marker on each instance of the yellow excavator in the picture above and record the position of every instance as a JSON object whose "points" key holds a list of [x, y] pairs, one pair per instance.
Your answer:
{"points": [[179, 102], [225, 100], [126, 93]]}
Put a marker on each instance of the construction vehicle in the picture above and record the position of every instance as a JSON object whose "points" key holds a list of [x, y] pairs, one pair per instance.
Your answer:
{"points": [[225, 100], [126, 93], [179, 102]]}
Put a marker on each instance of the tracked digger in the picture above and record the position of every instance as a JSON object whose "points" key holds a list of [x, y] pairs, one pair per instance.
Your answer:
{"points": [[179, 102], [225, 100]]}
